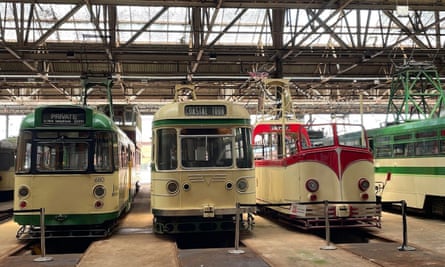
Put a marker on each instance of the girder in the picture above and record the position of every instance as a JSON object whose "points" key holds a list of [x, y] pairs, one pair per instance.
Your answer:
{"points": [[332, 53]]}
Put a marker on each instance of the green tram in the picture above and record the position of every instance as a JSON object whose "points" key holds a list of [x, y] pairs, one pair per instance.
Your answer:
{"points": [[409, 163], [78, 165]]}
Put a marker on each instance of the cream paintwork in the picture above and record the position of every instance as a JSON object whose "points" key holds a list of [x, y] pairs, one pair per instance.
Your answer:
{"points": [[287, 184], [351, 176], [71, 193], [409, 187], [204, 191], [410, 162]]}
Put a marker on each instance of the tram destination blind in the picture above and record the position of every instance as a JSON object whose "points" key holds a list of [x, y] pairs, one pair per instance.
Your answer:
{"points": [[63, 117]]}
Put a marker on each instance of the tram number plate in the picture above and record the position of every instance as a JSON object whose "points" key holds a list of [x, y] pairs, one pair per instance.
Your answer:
{"points": [[208, 212], [343, 211]]}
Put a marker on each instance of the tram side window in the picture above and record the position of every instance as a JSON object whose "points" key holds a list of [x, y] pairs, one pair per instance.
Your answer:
{"points": [[291, 145], [166, 149], [103, 155], [383, 151], [442, 146], [426, 148], [266, 146], [23, 162], [399, 150], [244, 158]]}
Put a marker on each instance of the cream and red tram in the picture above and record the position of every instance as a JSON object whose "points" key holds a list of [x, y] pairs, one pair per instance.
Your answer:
{"points": [[299, 167]]}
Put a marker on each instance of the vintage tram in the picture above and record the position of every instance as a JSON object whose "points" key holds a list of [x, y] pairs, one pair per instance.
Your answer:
{"points": [[310, 174], [202, 166], [305, 172], [76, 164]]}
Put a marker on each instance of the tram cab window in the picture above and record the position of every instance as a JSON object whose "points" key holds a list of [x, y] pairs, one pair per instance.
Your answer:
{"points": [[61, 156], [166, 149], [214, 147], [55, 151]]}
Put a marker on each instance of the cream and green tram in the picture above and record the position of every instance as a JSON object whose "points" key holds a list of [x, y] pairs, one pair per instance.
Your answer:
{"points": [[202, 166], [409, 164], [75, 163]]}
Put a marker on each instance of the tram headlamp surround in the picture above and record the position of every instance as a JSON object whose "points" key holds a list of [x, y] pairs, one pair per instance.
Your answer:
{"points": [[99, 191], [363, 184], [312, 185], [172, 187], [23, 191], [229, 186], [186, 187], [242, 185]]}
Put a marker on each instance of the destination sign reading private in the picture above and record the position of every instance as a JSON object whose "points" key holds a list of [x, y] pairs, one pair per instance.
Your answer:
{"points": [[65, 117]]}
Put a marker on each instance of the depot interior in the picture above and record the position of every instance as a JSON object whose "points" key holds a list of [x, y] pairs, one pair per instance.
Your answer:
{"points": [[338, 57]]}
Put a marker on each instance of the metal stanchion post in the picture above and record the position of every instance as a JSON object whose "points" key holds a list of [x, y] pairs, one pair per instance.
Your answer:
{"points": [[328, 229], [237, 226], [404, 246], [43, 257]]}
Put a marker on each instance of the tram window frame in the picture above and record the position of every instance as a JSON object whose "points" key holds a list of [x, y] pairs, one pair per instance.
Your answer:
{"points": [[441, 146], [268, 146], [426, 148], [265, 144], [207, 150], [166, 149], [323, 135], [399, 150], [24, 145], [352, 136], [61, 156], [383, 150], [106, 152], [243, 152]]}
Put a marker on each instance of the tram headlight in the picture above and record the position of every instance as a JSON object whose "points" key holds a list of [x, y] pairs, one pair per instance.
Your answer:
{"points": [[172, 187], [242, 185], [312, 185], [99, 191], [363, 184], [23, 191]]}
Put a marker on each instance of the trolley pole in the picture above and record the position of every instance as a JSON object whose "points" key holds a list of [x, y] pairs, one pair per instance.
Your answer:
{"points": [[43, 257]]}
